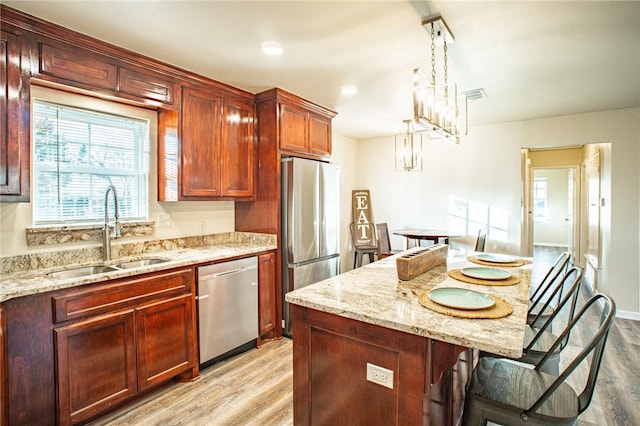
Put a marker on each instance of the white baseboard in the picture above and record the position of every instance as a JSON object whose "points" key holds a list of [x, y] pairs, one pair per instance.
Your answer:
{"points": [[550, 245], [634, 316]]}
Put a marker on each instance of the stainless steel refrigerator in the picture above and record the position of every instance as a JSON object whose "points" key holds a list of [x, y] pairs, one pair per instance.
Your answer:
{"points": [[310, 225]]}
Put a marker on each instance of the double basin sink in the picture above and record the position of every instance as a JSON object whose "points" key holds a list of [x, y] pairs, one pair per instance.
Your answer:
{"points": [[86, 271]]}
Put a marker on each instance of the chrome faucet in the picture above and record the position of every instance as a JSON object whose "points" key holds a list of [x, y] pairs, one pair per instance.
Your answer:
{"points": [[106, 235]]}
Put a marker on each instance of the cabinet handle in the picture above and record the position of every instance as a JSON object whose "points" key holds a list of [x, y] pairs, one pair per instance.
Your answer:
{"points": [[204, 296]]}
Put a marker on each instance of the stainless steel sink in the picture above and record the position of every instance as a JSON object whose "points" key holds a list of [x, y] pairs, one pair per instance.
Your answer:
{"points": [[82, 272], [86, 271], [140, 263]]}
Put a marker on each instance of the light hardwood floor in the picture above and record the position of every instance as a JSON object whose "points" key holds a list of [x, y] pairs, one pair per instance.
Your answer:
{"points": [[255, 388]]}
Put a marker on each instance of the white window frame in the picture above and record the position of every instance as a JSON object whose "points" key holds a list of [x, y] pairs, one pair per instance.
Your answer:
{"points": [[101, 106]]}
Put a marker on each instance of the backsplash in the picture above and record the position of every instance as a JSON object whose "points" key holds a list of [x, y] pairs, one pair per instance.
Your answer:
{"points": [[70, 257], [71, 234]]}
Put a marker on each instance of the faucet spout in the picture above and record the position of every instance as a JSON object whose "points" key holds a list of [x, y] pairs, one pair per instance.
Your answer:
{"points": [[106, 234]]}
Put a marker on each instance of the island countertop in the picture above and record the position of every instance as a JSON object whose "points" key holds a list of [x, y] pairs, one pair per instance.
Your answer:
{"points": [[374, 294]]}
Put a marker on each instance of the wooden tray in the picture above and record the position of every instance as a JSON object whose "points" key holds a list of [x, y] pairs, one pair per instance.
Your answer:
{"points": [[419, 260]]}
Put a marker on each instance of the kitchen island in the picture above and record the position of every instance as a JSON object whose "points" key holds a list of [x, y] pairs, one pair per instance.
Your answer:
{"points": [[366, 322]]}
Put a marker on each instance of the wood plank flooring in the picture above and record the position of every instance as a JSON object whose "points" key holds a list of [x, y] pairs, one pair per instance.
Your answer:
{"points": [[255, 388]]}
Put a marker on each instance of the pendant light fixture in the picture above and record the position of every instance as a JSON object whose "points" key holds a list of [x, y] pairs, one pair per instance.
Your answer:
{"points": [[409, 150], [436, 106]]}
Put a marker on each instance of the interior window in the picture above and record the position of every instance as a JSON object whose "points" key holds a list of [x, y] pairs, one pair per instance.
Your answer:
{"points": [[77, 153], [540, 209]]}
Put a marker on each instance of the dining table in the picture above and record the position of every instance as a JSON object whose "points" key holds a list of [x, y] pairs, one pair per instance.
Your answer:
{"points": [[374, 348], [418, 235]]}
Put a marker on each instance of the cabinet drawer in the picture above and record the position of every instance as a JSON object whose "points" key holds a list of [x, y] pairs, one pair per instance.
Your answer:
{"points": [[78, 65], [80, 303], [145, 85]]}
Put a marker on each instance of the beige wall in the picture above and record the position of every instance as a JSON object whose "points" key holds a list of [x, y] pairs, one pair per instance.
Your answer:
{"points": [[344, 154], [485, 169]]}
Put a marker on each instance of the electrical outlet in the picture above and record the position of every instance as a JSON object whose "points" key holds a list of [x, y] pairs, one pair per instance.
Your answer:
{"points": [[379, 375], [202, 227], [164, 219]]}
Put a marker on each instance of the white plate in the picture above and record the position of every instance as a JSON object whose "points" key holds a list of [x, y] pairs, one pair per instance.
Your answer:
{"points": [[486, 273], [460, 298], [496, 258]]}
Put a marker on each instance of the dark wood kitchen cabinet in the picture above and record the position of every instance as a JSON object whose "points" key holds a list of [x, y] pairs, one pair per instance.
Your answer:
{"points": [[217, 146], [200, 145], [73, 65], [304, 131], [95, 365], [165, 333], [14, 117], [74, 354], [303, 127], [67, 62], [237, 148], [267, 315]]}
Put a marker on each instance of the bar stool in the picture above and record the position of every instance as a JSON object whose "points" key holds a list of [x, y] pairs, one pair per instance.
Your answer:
{"points": [[359, 252]]}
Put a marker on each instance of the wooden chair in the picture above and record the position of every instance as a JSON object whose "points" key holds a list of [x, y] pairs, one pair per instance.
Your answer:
{"points": [[480, 241], [360, 252], [542, 300], [383, 241], [508, 393]]}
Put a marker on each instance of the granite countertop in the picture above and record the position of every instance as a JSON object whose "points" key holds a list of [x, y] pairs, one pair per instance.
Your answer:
{"points": [[374, 294], [32, 281]]}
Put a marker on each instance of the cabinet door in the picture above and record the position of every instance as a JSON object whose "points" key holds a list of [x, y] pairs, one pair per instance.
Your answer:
{"points": [[14, 120], [166, 339], [266, 293], [237, 151], [145, 84], [293, 128], [319, 135], [201, 132], [78, 65], [95, 365]]}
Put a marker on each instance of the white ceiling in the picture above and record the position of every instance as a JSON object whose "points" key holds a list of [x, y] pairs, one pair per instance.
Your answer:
{"points": [[534, 59]]}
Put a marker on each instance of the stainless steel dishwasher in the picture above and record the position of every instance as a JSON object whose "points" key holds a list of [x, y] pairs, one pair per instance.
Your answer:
{"points": [[227, 306]]}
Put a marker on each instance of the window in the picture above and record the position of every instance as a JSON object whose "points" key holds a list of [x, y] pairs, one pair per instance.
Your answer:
{"points": [[77, 153], [540, 208]]}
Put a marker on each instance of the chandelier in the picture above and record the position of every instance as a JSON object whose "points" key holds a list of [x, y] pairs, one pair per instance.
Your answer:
{"points": [[435, 103], [409, 150]]}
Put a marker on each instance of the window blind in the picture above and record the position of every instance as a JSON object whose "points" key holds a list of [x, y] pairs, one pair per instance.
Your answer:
{"points": [[77, 154]]}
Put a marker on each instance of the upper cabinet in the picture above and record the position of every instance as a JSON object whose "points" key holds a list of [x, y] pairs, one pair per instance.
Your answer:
{"points": [[237, 149], [68, 64], [200, 143], [14, 117], [217, 147], [206, 144], [303, 128]]}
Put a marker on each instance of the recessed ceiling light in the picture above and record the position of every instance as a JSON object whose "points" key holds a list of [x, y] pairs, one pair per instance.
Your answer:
{"points": [[348, 90], [272, 48]]}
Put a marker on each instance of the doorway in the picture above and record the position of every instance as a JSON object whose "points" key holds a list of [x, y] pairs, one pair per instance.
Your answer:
{"points": [[554, 207], [552, 199]]}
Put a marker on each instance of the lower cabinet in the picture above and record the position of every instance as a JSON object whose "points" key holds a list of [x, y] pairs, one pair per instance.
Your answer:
{"points": [[267, 316], [95, 365], [77, 353], [166, 343], [105, 360]]}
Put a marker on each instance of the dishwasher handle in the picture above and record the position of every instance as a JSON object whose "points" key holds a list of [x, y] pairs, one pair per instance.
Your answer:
{"points": [[204, 296], [223, 273]]}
